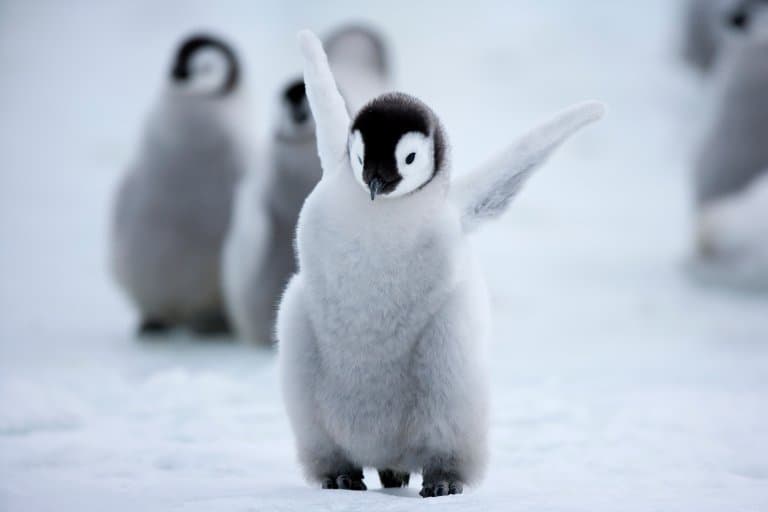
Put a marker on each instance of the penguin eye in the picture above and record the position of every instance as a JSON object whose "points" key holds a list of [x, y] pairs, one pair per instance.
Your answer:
{"points": [[410, 158], [739, 20]]}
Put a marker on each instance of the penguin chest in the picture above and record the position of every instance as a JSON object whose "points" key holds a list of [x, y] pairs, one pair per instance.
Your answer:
{"points": [[372, 294], [365, 409]]}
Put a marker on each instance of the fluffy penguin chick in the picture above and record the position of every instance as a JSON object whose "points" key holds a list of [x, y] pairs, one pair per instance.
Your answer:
{"points": [[173, 206], [259, 254], [381, 331], [733, 161]]}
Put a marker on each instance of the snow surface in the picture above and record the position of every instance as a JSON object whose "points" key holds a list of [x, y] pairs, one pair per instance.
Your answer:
{"points": [[617, 383]]}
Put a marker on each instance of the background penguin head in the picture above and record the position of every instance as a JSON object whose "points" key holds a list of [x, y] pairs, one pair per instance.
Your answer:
{"points": [[358, 46], [396, 146], [205, 65], [746, 18], [295, 119]]}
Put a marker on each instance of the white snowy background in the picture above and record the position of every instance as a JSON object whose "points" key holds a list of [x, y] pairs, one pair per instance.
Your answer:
{"points": [[617, 383]]}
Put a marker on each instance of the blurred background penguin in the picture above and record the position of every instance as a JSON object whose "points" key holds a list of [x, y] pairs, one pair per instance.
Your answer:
{"points": [[173, 206]]}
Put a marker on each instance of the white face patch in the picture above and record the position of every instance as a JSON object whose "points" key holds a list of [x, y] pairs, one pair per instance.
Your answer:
{"points": [[208, 69], [357, 156], [415, 158]]}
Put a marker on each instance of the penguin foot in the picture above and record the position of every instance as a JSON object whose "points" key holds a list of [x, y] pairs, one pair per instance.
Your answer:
{"points": [[390, 478], [211, 325], [440, 483], [349, 480], [153, 327]]}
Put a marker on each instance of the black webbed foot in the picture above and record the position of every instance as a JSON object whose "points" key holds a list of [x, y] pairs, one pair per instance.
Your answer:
{"points": [[347, 480], [216, 324], [392, 479], [440, 483], [153, 327]]}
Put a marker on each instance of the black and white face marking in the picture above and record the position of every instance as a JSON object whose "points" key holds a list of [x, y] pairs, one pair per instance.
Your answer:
{"points": [[295, 117], [205, 65], [396, 146]]}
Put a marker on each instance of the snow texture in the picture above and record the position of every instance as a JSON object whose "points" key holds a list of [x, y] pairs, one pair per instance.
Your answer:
{"points": [[617, 383]]}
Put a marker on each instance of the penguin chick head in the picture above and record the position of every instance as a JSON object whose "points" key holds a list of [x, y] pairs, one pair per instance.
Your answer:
{"points": [[205, 65], [746, 18], [359, 46], [295, 117], [396, 146]]}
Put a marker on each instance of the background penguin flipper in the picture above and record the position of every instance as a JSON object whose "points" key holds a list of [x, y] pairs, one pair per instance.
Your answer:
{"points": [[328, 107], [487, 192]]}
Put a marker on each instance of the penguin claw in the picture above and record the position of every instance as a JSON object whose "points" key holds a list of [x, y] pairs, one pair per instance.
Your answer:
{"points": [[441, 488], [344, 481]]}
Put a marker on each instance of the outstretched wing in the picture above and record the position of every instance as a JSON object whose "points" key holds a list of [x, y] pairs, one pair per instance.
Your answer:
{"points": [[328, 108], [487, 192]]}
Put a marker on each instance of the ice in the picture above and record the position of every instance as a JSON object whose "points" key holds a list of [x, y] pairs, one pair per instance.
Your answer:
{"points": [[617, 383]]}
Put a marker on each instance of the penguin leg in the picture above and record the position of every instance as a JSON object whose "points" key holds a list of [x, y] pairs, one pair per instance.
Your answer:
{"points": [[390, 478], [213, 324], [449, 422], [152, 326], [323, 460]]}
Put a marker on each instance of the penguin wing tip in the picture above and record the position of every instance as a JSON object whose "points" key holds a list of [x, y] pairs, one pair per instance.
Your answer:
{"points": [[309, 43], [596, 109]]}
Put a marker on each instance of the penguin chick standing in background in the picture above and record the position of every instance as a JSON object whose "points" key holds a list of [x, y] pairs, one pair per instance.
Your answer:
{"points": [[731, 175], [173, 206], [381, 331], [259, 253]]}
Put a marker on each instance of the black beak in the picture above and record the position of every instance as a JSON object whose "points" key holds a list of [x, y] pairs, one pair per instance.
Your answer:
{"points": [[375, 185]]}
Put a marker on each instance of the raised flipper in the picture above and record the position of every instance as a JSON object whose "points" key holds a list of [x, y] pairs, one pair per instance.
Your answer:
{"points": [[328, 107], [487, 192]]}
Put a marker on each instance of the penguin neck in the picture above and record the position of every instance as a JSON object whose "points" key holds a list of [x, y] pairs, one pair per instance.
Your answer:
{"points": [[179, 116], [391, 218]]}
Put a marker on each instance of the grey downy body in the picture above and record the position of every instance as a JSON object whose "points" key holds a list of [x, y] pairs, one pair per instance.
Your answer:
{"points": [[173, 206], [731, 171], [382, 331]]}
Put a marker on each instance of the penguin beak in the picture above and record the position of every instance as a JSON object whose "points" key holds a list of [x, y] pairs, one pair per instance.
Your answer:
{"points": [[375, 186]]}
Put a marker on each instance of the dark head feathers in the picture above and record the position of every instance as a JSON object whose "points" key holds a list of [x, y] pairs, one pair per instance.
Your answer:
{"points": [[295, 92], [196, 42], [388, 117]]}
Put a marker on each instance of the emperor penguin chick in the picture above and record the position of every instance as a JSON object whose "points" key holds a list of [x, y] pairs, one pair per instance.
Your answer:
{"points": [[259, 255], [173, 206], [381, 331], [731, 173]]}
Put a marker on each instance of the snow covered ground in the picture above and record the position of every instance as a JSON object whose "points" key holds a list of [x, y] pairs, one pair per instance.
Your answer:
{"points": [[617, 383]]}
